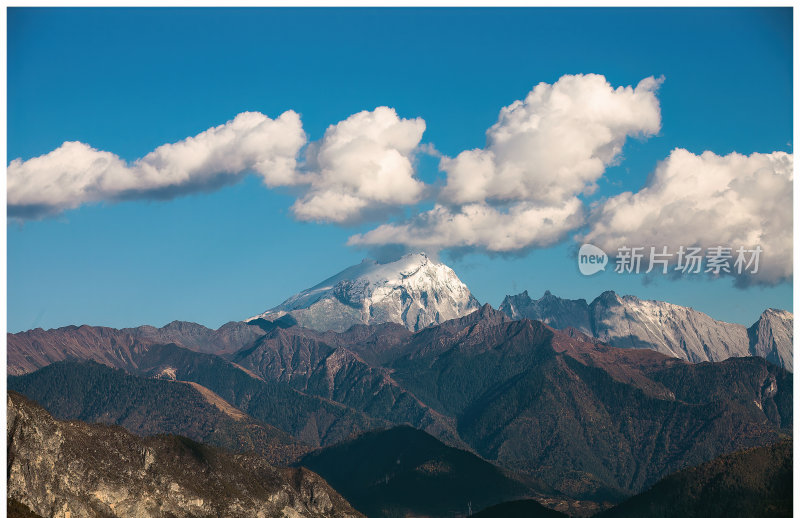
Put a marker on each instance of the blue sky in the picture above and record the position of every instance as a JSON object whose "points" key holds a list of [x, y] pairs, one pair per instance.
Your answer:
{"points": [[127, 81]]}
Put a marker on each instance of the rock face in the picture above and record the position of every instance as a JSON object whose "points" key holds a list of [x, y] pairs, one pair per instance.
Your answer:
{"points": [[667, 328], [414, 291], [772, 337], [553, 311], [75, 470], [670, 329]]}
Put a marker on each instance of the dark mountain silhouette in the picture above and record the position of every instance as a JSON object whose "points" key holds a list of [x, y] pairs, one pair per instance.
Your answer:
{"points": [[754, 483], [519, 509], [16, 509], [406, 472]]}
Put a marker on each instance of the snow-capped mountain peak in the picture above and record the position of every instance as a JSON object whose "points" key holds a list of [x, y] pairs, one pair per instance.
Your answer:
{"points": [[415, 291]]}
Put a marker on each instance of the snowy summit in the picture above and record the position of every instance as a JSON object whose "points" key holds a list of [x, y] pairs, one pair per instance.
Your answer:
{"points": [[414, 291]]}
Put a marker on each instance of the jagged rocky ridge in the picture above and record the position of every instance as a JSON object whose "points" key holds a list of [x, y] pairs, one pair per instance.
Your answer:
{"points": [[414, 291], [76, 470], [670, 329]]}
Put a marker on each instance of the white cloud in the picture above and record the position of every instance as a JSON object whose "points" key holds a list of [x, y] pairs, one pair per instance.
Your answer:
{"points": [[362, 166], [555, 143], [707, 200], [479, 225], [75, 173], [363, 163], [522, 189]]}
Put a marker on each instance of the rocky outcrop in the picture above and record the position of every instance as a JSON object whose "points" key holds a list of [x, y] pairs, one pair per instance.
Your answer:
{"points": [[75, 470], [772, 337]]}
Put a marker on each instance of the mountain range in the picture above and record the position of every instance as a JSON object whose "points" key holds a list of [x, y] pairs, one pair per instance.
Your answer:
{"points": [[117, 347], [577, 406], [416, 292], [670, 329], [58, 468], [590, 420]]}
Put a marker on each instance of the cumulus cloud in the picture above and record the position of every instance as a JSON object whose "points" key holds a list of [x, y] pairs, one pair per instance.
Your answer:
{"points": [[479, 225], [362, 166], [363, 163], [522, 189], [707, 200], [75, 173], [555, 143]]}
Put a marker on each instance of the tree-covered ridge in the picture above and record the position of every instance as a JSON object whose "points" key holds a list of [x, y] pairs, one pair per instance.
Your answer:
{"points": [[754, 483], [94, 393]]}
